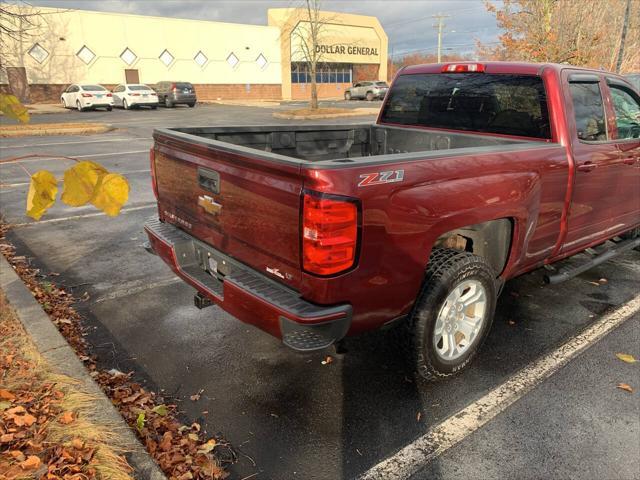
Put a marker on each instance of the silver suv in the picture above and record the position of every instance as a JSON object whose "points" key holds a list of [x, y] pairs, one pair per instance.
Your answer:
{"points": [[369, 90]]}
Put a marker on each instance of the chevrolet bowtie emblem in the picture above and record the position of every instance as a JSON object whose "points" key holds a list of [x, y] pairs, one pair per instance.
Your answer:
{"points": [[209, 204]]}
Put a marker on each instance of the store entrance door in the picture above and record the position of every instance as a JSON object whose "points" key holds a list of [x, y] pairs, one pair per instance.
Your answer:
{"points": [[131, 75]]}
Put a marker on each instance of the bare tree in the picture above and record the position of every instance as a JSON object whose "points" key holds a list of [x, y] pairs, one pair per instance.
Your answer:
{"points": [[308, 36], [17, 23]]}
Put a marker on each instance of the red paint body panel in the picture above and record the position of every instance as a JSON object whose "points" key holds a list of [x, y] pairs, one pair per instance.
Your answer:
{"points": [[555, 209]]}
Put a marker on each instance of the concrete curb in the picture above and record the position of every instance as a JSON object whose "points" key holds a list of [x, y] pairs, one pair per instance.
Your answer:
{"points": [[355, 113], [55, 349], [34, 131]]}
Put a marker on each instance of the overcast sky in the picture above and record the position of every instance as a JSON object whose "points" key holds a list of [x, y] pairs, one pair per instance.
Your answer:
{"points": [[408, 23]]}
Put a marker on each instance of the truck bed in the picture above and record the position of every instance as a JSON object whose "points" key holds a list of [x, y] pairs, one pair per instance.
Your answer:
{"points": [[333, 145]]}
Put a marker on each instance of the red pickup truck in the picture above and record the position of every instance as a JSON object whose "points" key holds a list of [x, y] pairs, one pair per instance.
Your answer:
{"points": [[474, 173]]}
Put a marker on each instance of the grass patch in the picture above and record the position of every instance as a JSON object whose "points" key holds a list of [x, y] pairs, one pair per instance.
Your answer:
{"points": [[22, 130], [47, 424]]}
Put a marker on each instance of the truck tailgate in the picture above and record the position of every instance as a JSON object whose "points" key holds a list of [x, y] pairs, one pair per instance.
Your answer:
{"points": [[245, 206]]}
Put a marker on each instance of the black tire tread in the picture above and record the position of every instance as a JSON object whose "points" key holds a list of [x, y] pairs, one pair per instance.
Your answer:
{"points": [[442, 262]]}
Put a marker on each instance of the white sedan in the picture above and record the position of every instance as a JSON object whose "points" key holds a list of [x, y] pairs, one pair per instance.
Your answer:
{"points": [[131, 95], [86, 97]]}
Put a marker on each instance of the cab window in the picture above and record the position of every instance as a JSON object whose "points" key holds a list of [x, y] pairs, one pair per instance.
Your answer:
{"points": [[588, 109], [627, 108]]}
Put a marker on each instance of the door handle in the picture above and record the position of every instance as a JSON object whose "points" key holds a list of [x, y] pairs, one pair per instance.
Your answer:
{"points": [[587, 167]]}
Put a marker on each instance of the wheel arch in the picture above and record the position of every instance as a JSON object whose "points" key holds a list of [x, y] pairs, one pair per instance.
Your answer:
{"points": [[492, 240]]}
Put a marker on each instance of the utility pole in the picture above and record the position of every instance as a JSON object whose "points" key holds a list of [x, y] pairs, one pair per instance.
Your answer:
{"points": [[623, 37], [440, 26]]}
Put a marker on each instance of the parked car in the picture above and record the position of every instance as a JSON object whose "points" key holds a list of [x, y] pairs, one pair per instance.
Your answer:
{"points": [[473, 174], [634, 78], [367, 90], [86, 97], [131, 95], [176, 93]]}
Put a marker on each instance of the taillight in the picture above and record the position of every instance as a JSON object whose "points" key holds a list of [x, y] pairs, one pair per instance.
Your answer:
{"points": [[87, 95], [173, 87], [329, 234], [152, 161], [134, 94], [109, 95], [463, 68], [153, 93]]}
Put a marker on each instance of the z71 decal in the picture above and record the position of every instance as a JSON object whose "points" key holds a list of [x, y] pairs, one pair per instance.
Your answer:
{"points": [[377, 178]]}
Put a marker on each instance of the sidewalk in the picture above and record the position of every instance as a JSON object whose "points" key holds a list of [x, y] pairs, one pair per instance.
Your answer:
{"points": [[44, 108]]}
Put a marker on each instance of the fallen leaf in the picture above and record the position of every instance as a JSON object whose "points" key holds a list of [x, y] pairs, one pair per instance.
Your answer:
{"points": [[6, 394], [30, 463], [625, 387], [165, 444], [419, 416], [207, 447], [193, 437], [77, 443], [327, 360], [625, 357], [29, 419], [4, 405], [43, 189], [140, 421], [66, 418], [160, 410]]}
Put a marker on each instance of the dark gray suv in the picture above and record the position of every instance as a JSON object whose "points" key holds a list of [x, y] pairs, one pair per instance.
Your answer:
{"points": [[176, 93]]}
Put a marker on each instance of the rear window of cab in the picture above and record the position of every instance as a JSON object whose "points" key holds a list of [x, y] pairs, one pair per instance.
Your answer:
{"points": [[491, 103]]}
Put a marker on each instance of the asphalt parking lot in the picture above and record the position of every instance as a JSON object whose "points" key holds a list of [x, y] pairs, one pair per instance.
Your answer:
{"points": [[289, 415]]}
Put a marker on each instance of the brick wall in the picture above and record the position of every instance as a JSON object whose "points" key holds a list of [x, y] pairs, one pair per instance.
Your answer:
{"points": [[365, 71], [302, 91], [210, 91]]}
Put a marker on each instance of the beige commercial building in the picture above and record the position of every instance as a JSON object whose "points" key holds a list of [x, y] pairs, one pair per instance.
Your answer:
{"points": [[222, 60]]}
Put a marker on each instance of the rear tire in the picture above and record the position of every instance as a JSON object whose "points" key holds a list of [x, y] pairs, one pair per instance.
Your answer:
{"points": [[347, 96], [125, 105], [168, 103], [64, 103], [446, 306], [79, 106], [635, 233], [153, 107], [369, 97], [109, 108], [191, 105]]}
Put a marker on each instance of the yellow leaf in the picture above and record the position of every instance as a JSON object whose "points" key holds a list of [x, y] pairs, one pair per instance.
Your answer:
{"points": [[111, 194], [626, 387], [80, 182], [12, 108], [625, 357], [42, 193]]}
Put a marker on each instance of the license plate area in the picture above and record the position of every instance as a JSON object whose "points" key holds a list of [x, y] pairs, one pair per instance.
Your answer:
{"points": [[212, 262]]}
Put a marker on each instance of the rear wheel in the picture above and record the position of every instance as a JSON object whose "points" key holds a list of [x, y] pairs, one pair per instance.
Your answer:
{"points": [[153, 107], [167, 102], [64, 103], [369, 97], [125, 105], [453, 313], [109, 108], [635, 233], [79, 106], [347, 96], [191, 105]]}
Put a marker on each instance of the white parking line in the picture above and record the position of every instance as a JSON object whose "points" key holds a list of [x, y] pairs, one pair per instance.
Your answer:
{"points": [[456, 428], [53, 157], [137, 286], [78, 217], [9, 147]]}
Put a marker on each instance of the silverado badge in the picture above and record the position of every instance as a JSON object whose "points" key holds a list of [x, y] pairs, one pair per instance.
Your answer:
{"points": [[209, 204]]}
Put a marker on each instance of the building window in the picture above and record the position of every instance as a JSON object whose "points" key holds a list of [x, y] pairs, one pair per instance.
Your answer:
{"points": [[261, 61], [128, 56], [86, 55], [325, 73], [200, 58], [38, 53], [232, 60], [166, 58]]}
